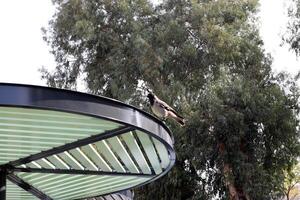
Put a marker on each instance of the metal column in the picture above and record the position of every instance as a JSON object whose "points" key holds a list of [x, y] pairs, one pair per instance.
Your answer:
{"points": [[2, 184]]}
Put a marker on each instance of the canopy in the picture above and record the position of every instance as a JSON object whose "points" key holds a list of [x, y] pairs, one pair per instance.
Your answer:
{"points": [[60, 144]]}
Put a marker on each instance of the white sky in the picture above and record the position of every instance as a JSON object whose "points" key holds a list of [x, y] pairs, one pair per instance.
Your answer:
{"points": [[273, 14], [23, 51]]}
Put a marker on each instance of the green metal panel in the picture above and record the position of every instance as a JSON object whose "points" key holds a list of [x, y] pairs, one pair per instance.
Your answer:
{"points": [[162, 152], [46, 120], [33, 165], [92, 153], [70, 160], [67, 187], [9, 149], [48, 180], [58, 162], [109, 188], [104, 156], [47, 125], [150, 151], [83, 159], [136, 152], [26, 131], [70, 182], [14, 192], [31, 136], [45, 164], [49, 115], [6, 159], [118, 147], [95, 189], [42, 131], [104, 149], [35, 177]]}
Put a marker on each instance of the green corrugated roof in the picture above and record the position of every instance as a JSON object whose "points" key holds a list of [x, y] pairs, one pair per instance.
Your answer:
{"points": [[66, 187], [112, 154], [25, 131], [28, 131], [14, 192]]}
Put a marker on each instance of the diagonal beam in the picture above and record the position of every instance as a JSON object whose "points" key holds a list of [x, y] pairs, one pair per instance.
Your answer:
{"points": [[72, 145], [76, 171], [27, 187]]}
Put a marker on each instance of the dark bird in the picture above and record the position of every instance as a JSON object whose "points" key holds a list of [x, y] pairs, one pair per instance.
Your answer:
{"points": [[162, 110]]}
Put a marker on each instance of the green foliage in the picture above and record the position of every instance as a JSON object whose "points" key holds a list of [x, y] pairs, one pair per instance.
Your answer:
{"points": [[292, 36], [292, 181], [205, 58]]}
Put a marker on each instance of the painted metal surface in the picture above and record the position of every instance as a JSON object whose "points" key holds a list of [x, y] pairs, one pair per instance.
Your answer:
{"points": [[68, 145], [14, 192]]}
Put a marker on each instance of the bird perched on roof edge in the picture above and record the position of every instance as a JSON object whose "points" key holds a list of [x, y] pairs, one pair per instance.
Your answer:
{"points": [[162, 110]]}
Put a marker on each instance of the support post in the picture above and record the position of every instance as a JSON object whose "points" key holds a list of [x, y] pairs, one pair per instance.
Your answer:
{"points": [[3, 184]]}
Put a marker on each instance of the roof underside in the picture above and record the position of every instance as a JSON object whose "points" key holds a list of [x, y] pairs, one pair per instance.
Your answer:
{"points": [[67, 186], [26, 131], [14, 192], [73, 156], [59, 144]]}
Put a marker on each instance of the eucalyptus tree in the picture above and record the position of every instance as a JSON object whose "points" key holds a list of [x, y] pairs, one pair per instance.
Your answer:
{"points": [[204, 57], [292, 37]]}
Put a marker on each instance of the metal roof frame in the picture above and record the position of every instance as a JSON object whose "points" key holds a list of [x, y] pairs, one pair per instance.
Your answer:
{"points": [[44, 98]]}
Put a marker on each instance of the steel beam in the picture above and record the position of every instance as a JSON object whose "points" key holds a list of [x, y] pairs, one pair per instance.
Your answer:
{"points": [[76, 171], [3, 175]]}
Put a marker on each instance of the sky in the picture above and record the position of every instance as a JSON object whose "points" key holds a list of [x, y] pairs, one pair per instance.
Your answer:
{"points": [[23, 50], [273, 20]]}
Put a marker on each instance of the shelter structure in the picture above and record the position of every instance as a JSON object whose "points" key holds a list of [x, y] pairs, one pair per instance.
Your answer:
{"points": [[61, 144]]}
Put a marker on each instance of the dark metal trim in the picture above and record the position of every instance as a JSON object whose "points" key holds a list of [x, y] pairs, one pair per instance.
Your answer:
{"points": [[38, 97], [72, 145], [75, 171], [27, 187], [3, 174]]}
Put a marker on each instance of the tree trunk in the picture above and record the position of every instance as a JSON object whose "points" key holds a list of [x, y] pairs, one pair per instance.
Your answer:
{"points": [[234, 192], [229, 183]]}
